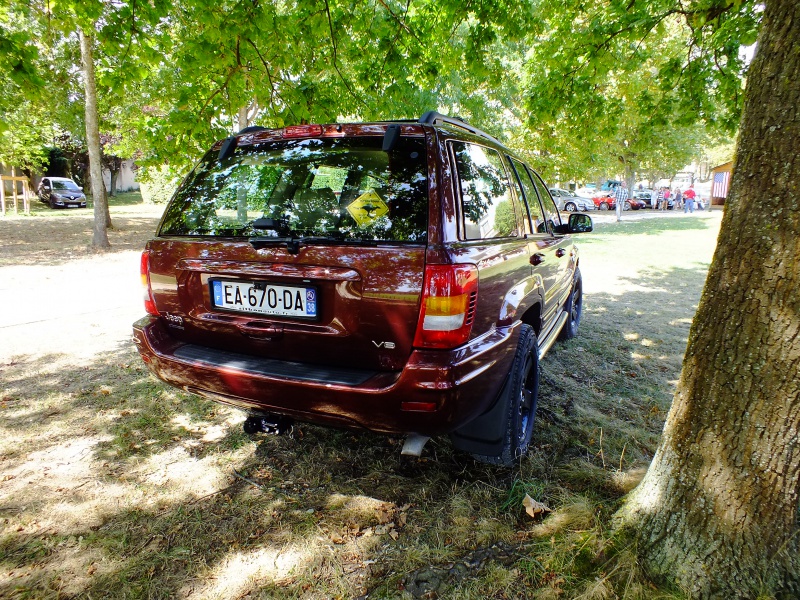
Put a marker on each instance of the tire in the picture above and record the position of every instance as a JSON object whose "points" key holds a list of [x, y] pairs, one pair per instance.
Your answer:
{"points": [[603, 206], [573, 308], [626, 206], [520, 394], [571, 207]]}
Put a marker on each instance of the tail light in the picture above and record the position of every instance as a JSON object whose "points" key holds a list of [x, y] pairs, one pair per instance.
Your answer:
{"points": [[149, 304], [448, 306]]}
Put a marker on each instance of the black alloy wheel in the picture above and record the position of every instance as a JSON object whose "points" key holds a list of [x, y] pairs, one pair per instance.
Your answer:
{"points": [[520, 394], [573, 308]]}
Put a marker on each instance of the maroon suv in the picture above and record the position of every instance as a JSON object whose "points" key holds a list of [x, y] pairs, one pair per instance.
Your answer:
{"points": [[403, 277]]}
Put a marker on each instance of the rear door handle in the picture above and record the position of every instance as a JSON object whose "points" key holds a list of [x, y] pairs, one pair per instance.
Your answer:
{"points": [[560, 252], [537, 259]]}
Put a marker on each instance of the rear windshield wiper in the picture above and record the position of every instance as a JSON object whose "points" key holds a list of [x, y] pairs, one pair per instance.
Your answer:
{"points": [[294, 242]]}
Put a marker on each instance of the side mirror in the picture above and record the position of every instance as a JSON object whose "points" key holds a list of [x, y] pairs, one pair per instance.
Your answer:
{"points": [[578, 223]]}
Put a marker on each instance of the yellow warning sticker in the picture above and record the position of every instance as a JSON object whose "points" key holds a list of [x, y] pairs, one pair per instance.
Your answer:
{"points": [[368, 207]]}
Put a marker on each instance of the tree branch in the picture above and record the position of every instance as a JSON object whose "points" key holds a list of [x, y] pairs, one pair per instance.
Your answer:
{"points": [[335, 60]]}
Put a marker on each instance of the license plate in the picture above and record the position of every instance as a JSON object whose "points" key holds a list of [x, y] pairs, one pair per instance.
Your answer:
{"points": [[264, 298]]}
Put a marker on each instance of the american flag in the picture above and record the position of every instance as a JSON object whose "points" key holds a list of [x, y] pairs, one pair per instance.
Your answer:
{"points": [[721, 185]]}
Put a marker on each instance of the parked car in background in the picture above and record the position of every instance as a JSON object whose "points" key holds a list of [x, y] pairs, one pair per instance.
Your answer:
{"points": [[568, 201], [645, 196], [323, 273], [587, 191], [634, 203], [604, 201], [61, 192], [609, 185]]}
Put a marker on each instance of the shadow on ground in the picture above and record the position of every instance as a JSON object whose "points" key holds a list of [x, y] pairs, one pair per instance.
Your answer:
{"points": [[163, 496]]}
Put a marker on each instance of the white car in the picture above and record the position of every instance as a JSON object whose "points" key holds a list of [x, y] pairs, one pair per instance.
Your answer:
{"points": [[569, 202], [586, 192]]}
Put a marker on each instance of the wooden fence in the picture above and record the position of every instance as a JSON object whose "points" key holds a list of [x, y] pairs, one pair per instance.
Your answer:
{"points": [[26, 195]]}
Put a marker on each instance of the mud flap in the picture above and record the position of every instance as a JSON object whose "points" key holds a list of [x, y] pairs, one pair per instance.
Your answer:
{"points": [[485, 434]]}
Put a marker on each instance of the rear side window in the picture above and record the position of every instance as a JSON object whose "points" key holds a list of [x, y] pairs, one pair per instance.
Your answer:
{"points": [[531, 198], [550, 210], [486, 205], [341, 188]]}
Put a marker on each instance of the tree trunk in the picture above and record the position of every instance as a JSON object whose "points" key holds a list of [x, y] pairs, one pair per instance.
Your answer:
{"points": [[718, 508], [113, 173], [102, 219]]}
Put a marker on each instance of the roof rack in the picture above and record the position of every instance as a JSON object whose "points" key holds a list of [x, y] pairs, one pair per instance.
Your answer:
{"points": [[432, 118]]}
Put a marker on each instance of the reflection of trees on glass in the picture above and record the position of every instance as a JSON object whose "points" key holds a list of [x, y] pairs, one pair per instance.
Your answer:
{"points": [[531, 198], [307, 186], [484, 187], [505, 222]]}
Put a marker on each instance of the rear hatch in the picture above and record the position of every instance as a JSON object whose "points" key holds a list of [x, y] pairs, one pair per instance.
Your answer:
{"points": [[303, 245]]}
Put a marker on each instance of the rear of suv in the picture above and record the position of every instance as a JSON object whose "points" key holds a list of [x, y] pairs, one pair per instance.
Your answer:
{"points": [[404, 277]]}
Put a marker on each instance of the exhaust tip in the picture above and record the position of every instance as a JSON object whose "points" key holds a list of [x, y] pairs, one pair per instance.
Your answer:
{"points": [[414, 444]]}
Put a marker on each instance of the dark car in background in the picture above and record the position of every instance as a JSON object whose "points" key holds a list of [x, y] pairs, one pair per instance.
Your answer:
{"points": [[61, 192], [403, 277]]}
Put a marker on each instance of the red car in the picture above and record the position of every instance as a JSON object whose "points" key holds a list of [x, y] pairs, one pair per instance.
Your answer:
{"points": [[403, 277], [607, 202]]}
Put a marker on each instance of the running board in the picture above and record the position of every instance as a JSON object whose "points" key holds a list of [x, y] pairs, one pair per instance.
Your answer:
{"points": [[547, 342]]}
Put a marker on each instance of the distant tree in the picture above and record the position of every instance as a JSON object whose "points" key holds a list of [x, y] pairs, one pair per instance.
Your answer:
{"points": [[634, 82]]}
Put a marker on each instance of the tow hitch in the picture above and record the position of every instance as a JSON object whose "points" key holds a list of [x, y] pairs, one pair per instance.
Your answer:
{"points": [[269, 424]]}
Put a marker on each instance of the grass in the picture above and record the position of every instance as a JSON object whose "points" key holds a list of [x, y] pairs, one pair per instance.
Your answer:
{"points": [[114, 485]]}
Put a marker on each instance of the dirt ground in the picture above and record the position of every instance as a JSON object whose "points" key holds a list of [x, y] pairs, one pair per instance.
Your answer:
{"points": [[60, 296]]}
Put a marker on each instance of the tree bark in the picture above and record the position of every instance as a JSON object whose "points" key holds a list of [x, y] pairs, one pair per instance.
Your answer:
{"points": [[717, 511], [102, 218]]}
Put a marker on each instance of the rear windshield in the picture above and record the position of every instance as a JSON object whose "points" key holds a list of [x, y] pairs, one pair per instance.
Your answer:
{"points": [[338, 188]]}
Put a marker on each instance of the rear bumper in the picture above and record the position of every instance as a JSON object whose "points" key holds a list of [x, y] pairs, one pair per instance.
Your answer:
{"points": [[455, 386]]}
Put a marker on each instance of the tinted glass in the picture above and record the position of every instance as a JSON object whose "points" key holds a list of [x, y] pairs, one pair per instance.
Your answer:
{"points": [[550, 210], [487, 207], [344, 188], [530, 197], [65, 185]]}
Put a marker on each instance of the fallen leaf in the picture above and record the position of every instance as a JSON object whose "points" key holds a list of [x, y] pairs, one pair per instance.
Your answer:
{"points": [[336, 538], [534, 508]]}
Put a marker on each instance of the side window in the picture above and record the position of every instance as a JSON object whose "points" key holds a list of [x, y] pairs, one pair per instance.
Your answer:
{"points": [[550, 210], [486, 204], [534, 207]]}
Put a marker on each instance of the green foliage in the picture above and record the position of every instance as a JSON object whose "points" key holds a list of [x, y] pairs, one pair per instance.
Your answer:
{"points": [[504, 219], [157, 184], [583, 89], [633, 86]]}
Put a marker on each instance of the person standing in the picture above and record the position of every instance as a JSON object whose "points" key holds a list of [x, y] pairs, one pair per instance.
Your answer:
{"points": [[654, 197], [620, 196], [665, 202], [678, 198], [688, 199]]}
